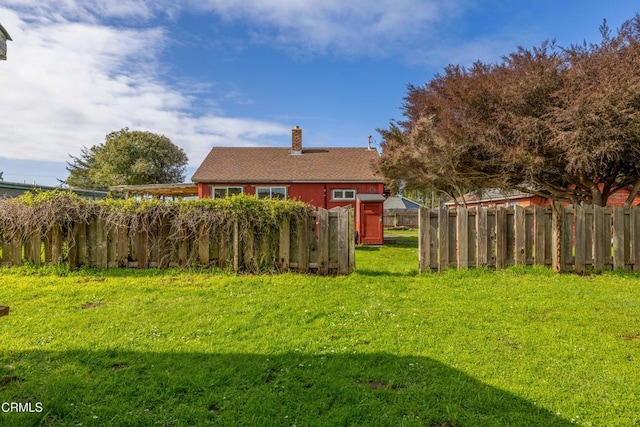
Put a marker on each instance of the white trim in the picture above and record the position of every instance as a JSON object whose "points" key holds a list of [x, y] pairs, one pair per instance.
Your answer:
{"points": [[343, 197]]}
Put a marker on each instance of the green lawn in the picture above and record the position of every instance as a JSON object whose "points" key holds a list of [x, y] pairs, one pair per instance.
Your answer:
{"points": [[384, 346]]}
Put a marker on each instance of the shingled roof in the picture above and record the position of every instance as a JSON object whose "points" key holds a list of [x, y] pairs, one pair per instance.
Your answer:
{"points": [[261, 165]]}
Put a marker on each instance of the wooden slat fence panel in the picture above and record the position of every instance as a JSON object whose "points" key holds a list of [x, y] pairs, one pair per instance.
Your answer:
{"points": [[320, 243], [591, 238]]}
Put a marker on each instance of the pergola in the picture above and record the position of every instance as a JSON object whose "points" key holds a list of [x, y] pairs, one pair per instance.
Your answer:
{"points": [[178, 190]]}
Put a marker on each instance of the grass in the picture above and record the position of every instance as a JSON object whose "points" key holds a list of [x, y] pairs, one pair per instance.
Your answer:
{"points": [[384, 346]]}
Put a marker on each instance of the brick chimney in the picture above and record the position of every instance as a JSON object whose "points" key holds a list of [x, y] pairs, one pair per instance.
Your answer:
{"points": [[296, 140]]}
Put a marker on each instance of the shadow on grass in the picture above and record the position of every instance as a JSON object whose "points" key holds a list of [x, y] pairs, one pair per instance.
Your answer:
{"points": [[146, 388], [403, 241], [368, 248], [384, 273]]}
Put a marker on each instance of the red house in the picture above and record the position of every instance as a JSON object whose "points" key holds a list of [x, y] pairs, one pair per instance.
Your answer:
{"points": [[321, 177]]}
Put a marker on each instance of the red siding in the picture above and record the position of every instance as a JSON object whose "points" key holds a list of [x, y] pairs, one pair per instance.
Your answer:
{"points": [[616, 199], [316, 194]]}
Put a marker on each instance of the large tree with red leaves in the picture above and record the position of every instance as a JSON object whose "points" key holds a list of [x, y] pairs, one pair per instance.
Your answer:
{"points": [[563, 123]]}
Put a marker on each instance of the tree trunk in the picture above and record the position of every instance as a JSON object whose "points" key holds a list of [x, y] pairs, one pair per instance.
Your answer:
{"points": [[632, 194], [557, 261], [596, 196]]}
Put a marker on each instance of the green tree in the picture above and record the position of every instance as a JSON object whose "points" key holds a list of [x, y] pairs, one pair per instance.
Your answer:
{"points": [[127, 158]]}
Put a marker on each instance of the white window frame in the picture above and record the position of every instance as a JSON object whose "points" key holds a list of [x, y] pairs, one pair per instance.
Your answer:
{"points": [[286, 192], [226, 188], [342, 194]]}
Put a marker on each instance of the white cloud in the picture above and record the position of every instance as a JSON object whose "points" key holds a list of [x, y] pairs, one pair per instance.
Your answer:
{"points": [[72, 76], [364, 27], [347, 27], [67, 84]]}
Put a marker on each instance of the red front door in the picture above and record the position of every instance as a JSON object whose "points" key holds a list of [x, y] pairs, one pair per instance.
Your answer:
{"points": [[372, 224]]}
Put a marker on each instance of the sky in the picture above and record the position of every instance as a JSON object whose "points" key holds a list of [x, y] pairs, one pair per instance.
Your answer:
{"points": [[244, 72]]}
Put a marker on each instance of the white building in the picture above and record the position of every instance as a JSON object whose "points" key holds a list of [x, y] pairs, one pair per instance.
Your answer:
{"points": [[4, 36]]}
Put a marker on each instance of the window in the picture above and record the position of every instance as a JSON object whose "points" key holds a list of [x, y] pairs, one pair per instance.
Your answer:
{"points": [[219, 192], [271, 192], [343, 194]]}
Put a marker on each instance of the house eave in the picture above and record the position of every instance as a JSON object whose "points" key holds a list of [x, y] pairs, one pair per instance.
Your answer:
{"points": [[262, 181]]}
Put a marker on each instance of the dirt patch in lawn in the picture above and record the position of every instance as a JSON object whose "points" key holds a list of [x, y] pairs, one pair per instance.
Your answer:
{"points": [[88, 305], [5, 381]]}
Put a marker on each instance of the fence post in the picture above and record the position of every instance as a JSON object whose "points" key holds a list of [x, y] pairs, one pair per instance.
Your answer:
{"points": [[556, 237], [351, 239]]}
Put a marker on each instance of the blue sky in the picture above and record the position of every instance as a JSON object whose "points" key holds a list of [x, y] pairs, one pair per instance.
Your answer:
{"points": [[244, 72]]}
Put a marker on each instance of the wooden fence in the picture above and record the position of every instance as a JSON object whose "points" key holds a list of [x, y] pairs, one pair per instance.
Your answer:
{"points": [[401, 218], [591, 238], [321, 243]]}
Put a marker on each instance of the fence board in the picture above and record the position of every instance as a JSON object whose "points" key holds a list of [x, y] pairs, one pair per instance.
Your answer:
{"points": [[424, 239], [302, 245], [203, 245], [343, 244], [56, 244], [618, 237], [598, 238], [580, 240], [351, 223], [16, 250], [520, 235], [528, 240], [501, 238], [323, 241], [34, 249], [92, 240], [141, 248], [462, 222], [634, 226], [443, 239], [101, 243], [284, 244], [482, 242]]}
